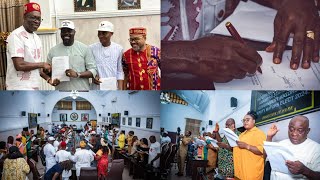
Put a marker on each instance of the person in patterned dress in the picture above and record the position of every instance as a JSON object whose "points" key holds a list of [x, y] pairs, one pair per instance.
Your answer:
{"points": [[141, 63], [225, 157]]}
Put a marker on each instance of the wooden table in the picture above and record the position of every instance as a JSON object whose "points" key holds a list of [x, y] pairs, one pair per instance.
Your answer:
{"points": [[195, 163]]}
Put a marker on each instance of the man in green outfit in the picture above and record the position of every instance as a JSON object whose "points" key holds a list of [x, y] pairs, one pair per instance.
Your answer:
{"points": [[81, 61]]}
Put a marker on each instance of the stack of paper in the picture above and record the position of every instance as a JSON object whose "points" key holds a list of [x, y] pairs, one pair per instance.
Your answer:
{"points": [[213, 141], [277, 155], [231, 137]]}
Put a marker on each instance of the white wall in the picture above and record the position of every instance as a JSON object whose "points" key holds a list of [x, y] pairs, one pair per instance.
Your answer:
{"points": [[174, 115]]}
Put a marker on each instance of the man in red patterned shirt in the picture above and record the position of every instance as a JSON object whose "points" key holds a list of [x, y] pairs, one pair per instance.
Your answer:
{"points": [[141, 63]]}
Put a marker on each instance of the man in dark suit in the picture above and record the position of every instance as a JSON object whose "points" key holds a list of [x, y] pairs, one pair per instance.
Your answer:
{"points": [[85, 3]]}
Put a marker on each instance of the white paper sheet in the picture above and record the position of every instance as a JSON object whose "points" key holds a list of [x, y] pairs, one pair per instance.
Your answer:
{"points": [[59, 65], [231, 137], [277, 155], [200, 142], [277, 76], [252, 21], [213, 141], [108, 83]]}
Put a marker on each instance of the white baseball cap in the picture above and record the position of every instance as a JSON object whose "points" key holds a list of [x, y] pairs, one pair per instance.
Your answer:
{"points": [[105, 26], [67, 24], [51, 138]]}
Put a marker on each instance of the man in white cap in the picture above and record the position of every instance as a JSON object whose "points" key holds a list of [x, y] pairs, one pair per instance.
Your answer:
{"points": [[81, 61], [108, 56], [49, 151]]}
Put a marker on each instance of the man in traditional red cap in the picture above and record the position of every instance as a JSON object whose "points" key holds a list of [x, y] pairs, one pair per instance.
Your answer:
{"points": [[63, 155], [141, 62], [24, 52]]}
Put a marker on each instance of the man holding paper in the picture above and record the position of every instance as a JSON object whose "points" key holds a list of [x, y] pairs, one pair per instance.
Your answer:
{"points": [[72, 62], [248, 155], [304, 149], [108, 56]]}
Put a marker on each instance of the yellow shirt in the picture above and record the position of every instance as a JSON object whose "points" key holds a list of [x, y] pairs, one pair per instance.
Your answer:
{"points": [[121, 140], [247, 165]]}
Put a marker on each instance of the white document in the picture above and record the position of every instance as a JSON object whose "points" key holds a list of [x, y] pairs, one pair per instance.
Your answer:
{"points": [[277, 76], [212, 141], [59, 66], [109, 83], [200, 142], [231, 137], [277, 155], [252, 21]]}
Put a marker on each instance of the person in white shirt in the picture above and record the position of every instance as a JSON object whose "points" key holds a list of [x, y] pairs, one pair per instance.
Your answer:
{"points": [[63, 155], [49, 151], [304, 149], [99, 131], [56, 143], [154, 152], [108, 56], [23, 52], [82, 157], [165, 138]]}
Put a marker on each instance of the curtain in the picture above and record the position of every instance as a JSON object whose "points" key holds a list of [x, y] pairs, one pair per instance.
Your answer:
{"points": [[83, 105], [11, 17]]}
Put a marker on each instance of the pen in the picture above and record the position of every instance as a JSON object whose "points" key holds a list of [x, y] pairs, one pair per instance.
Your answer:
{"points": [[234, 33]]}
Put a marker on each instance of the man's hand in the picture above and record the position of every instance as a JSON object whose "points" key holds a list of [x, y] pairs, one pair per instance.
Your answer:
{"points": [[46, 68], [71, 73], [295, 167], [54, 82], [96, 80], [300, 18], [215, 58], [272, 131], [242, 145]]}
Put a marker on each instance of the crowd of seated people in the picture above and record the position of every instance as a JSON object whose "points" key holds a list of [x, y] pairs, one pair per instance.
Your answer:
{"points": [[67, 150]]}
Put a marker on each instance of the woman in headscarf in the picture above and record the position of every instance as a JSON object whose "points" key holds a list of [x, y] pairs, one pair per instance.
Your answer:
{"points": [[15, 166]]}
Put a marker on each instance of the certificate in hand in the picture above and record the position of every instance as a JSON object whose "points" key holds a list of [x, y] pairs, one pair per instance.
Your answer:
{"points": [[59, 65], [109, 83]]}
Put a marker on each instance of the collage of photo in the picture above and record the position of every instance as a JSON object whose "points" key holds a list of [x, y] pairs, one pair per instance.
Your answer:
{"points": [[159, 89]]}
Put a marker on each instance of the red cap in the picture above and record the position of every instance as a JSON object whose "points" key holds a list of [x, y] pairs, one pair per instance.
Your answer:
{"points": [[31, 7], [63, 144], [138, 30]]}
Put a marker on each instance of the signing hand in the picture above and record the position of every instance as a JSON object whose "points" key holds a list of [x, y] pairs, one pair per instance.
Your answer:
{"points": [[295, 167], [300, 18], [46, 68], [215, 58]]}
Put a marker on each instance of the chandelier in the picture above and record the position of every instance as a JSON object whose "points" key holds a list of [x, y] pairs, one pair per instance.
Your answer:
{"points": [[164, 98], [74, 94]]}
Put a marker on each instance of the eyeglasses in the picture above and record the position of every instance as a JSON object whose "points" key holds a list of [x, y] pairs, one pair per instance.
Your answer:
{"points": [[134, 39], [246, 120], [35, 18]]}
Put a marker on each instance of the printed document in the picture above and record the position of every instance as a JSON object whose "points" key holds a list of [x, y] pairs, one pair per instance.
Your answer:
{"points": [[212, 141], [59, 66], [277, 76], [109, 83], [277, 155]]}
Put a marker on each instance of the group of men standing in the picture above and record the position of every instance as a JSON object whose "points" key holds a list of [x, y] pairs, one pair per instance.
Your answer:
{"points": [[134, 69]]}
